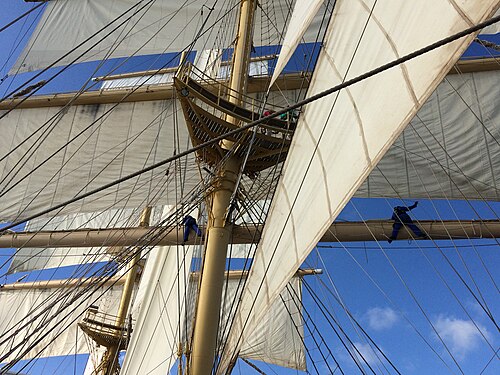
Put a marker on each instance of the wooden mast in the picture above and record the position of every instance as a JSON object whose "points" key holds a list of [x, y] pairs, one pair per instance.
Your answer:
{"points": [[219, 228]]}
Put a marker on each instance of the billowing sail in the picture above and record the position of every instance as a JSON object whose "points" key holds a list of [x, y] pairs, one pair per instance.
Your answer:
{"points": [[342, 137], [279, 337], [135, 28], [163, 323], [46, 331], [450, 148], [86, 147]]}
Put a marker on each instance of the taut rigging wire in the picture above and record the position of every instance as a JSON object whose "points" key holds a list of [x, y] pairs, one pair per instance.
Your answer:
{"points": [[273, 115], [486, 310], [22, 16], [301, 307], [75, 48], [324, 310], [399, 309]]}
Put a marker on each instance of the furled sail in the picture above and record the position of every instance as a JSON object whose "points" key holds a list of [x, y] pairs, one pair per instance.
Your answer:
{"points": [[341, 138]]}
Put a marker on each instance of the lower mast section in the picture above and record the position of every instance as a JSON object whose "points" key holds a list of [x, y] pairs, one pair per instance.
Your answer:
{"points": [[219, 231], [115, 336]]}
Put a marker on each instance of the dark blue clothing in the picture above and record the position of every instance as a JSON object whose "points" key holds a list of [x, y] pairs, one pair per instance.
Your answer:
{"points": [[400, 214], [397, 226], [190, 223], [401, 218]]}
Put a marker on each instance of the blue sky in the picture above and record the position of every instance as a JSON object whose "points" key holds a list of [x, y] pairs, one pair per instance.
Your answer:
{"points": [[394, 291]]}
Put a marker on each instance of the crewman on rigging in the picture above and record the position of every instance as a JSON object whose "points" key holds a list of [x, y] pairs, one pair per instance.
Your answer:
{"points": [[190, 223], [401, 218]]}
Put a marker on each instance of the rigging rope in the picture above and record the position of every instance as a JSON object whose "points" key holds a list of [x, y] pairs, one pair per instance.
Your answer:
{"points": [[484, 43], [273, 115]]}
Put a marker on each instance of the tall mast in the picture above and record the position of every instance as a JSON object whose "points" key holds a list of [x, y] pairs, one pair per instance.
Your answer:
{"points": [[219, 229], [111, 335]]}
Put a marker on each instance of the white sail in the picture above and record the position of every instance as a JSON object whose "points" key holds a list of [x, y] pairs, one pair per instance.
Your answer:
{"points": [[159, 26], [302, 16], [66, 23], [341, 138], [450, 149], [154, 343], [65, 338], [130, 137], [279, 337]]}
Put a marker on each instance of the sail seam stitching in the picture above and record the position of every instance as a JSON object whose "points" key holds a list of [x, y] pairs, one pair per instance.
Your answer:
{"points": [[462, 14]]}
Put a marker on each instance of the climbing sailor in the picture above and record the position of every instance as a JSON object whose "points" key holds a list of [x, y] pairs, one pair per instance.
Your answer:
{"points": [[401, 218], [190, 223]]}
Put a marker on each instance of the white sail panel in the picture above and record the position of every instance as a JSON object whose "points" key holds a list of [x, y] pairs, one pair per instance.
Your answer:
{"points": [[154, 343], [279, 336], [278, 339], [302, 16], [341, 138], [450, 149], [160, 26], [43, 171], [64, 339]]}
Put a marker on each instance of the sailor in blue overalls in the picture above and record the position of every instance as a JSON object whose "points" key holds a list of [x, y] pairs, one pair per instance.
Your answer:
{"points": [[401, 218], [190, 223]]}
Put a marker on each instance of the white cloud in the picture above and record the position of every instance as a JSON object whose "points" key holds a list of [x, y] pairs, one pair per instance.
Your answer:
{"points": [[381, 318], [367, 352], [461, 336]]}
